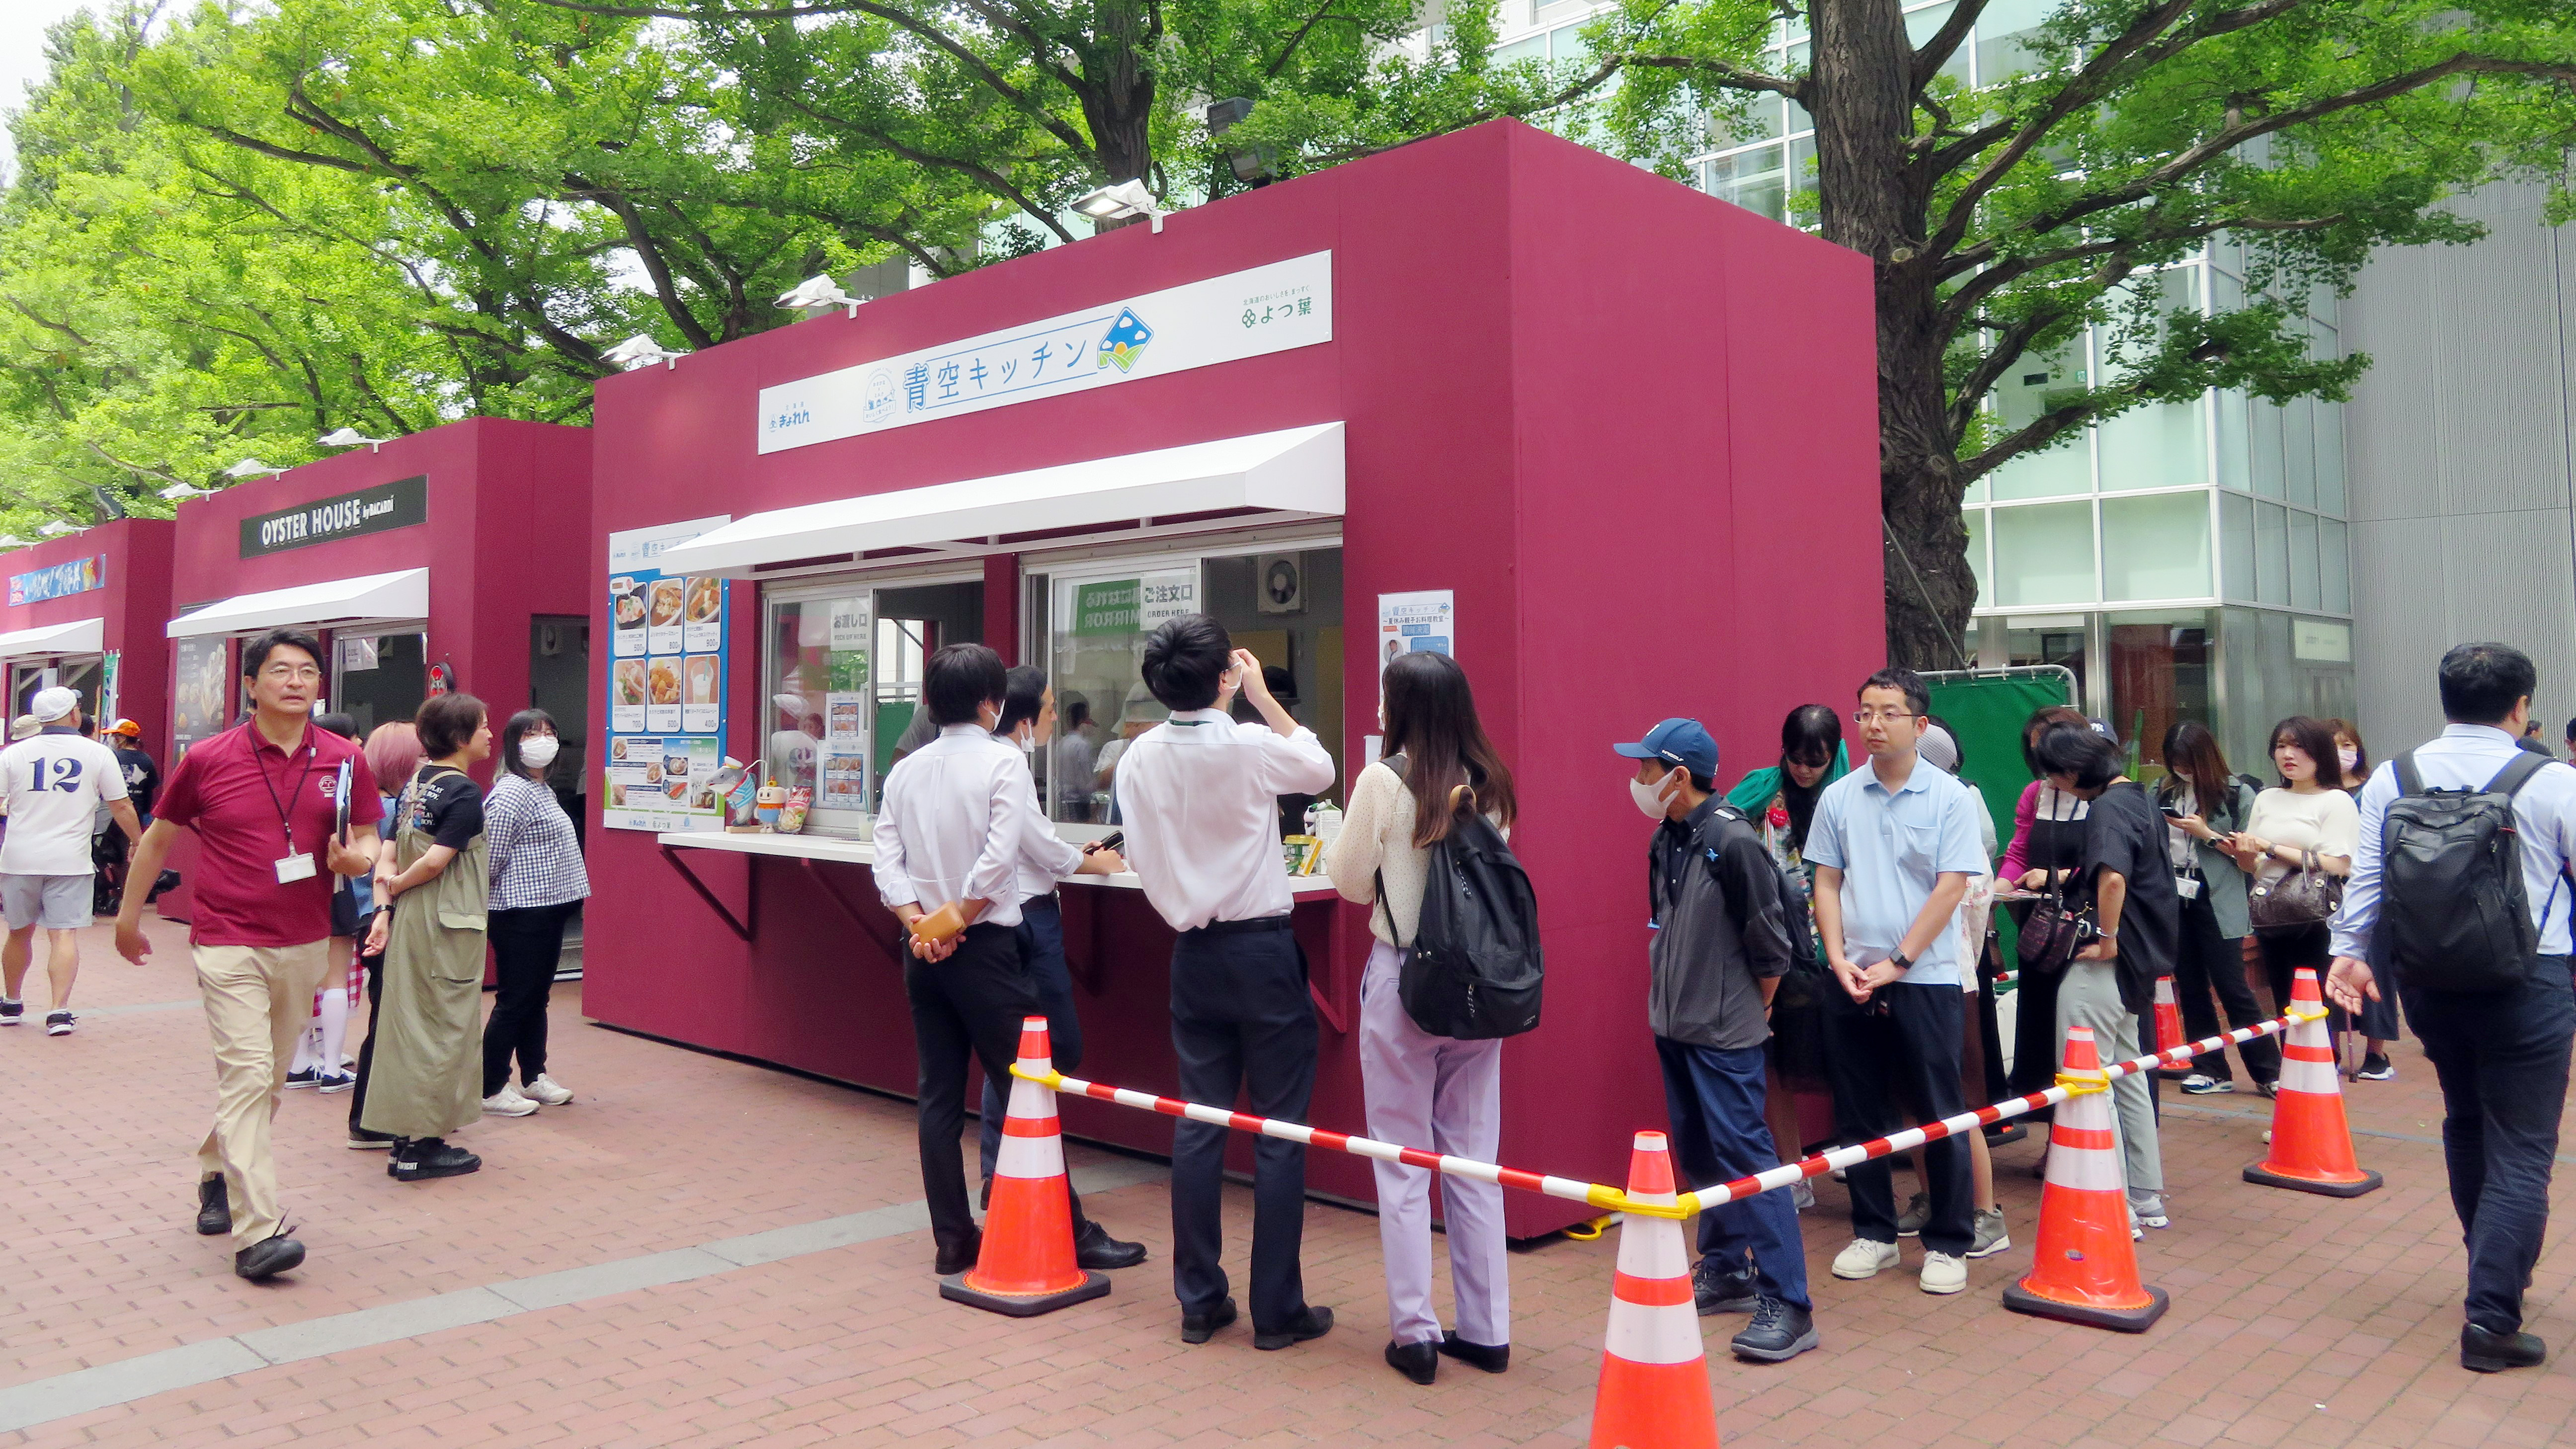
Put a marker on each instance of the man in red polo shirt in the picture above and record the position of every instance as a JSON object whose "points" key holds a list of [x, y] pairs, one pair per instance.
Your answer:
{"points": [[263, 800]]}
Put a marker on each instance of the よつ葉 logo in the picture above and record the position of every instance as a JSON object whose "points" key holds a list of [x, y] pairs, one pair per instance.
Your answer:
{"points": [[1125, 341]]}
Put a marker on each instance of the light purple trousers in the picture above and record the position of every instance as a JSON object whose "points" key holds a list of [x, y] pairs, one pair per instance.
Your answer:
{"points": [[1447, 1095]]}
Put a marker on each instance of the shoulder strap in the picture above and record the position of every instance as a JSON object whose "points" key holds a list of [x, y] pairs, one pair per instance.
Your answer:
{"points": [[2410, 781], [1395, 763], [2516, 773]]}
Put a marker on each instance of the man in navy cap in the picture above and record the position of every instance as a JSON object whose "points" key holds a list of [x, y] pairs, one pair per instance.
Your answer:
{"points": [[1719, 949]]}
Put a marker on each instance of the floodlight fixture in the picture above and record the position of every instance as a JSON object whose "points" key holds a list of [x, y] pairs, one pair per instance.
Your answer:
{"points": [[248, 468], [640, 351], [1119, 201], [350, 438], [816, 292], [179, 491]]}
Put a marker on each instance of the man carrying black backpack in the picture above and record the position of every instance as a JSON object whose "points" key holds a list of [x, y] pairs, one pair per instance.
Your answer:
{"points": [[1720, 947], [2460, 893]]}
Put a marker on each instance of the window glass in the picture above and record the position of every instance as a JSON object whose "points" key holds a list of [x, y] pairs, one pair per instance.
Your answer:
{"points": [[2330, 489], [2334, 565], [2059, 640], [1975, 518], [1287, 609], [2156, 547], [1565, 43], [2305, 586], [2264, 447], [815, 704], [1530, 48], [1095, 649], [2236, 542], [2044, 554], [2299, 452], [2023, 393], [913, 622], [380, 678], [2271, 554], [2160, 445], [2160, 676], [2004, 38], [1752, 180], [2233, 460]]}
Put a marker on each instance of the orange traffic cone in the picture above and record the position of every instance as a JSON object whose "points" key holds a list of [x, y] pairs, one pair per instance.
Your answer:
{"points": [[2085, 1269], [2168, 1016], [1027, 1266], [2311, 1142], [1654, 1380]]}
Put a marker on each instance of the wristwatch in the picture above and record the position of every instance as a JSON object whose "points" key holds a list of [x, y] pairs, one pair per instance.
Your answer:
{"points": [[1900, 960]]}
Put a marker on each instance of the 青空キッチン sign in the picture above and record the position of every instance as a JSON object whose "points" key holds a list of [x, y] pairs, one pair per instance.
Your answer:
{"points": [[398, 504]]}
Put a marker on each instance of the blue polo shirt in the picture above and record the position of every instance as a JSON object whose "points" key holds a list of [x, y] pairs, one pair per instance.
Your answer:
{"points": [[1891, 846]]}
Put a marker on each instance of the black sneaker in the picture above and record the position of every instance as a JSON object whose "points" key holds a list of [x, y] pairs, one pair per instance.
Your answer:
{"points": [[214, 1207], [60, 1023], [268, 1257], [1715, 1290], [2378, 1068], [1094, 1248], [12, 1012], [1779, 1333], [427, 1157], [1200, 1327], [1493, 1358], [305, 1078], [1313, 1323]]}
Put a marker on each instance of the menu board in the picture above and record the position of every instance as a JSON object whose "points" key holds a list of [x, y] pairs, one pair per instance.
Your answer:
{"points": [[201, 690], [667, 661]]}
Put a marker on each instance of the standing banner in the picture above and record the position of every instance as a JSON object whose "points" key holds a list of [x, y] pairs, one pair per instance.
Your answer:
{"points": [[667, 663]]}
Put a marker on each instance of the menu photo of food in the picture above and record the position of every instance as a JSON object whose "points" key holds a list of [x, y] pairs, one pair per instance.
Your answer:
{"points": [[664, 602], [662, 694], [698, 674], [626, 692], [626, 614], [702, 631]]}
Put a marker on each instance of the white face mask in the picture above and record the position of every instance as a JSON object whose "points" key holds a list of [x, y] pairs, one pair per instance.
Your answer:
{"points": [[1027, 742], [1650, 798], [2349, 756], [537, 751]]}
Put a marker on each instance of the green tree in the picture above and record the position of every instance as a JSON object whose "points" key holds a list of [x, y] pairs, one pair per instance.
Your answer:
{"points": [[2004, 219]]}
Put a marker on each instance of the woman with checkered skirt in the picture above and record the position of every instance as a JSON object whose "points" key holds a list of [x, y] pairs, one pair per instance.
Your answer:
{"points": [[537, 883]]}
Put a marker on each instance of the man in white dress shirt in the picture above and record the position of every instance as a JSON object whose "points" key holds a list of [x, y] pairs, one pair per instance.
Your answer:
{"points": [[1199, 795], [956, 822], [2501, 1055]]}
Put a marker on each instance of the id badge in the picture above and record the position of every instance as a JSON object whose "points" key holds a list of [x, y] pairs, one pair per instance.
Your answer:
{"points": [[2187, 887], [295, 868]]}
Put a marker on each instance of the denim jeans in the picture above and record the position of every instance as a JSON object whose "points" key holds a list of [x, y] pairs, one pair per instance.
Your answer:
{"points": [[2502, 1060], [1715, 1100]]}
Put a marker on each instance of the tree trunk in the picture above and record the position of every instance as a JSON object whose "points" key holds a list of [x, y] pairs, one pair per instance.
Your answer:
{"points": [[1119, 104], [1874, 195]]}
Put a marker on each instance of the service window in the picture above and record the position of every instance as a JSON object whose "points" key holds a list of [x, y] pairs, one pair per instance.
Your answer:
{"points": [[841, 670], [380, 676]]}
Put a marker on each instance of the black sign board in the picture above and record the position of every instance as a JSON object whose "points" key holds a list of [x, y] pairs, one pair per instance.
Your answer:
{"points": [[398, 504]]}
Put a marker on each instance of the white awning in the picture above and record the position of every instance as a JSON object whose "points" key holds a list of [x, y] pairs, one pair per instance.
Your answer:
{"points": [[85, 636], [1297, 472], [400, 595]]}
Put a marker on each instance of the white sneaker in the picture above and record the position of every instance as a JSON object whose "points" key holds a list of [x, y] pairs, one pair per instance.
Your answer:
{"points": [[546, 1091], [507, 1103], [1943, 1273], [1864, 1258]]}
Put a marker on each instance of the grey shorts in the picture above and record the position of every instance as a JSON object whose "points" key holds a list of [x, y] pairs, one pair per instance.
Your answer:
{"points": [[55, 902]]}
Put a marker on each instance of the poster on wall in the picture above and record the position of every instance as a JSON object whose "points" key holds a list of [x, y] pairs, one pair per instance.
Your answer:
{"points": [[666, 676], [200, 696], [1422, 622]]}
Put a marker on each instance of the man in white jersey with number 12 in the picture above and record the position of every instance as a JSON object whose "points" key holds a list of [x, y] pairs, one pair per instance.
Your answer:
{"points": [[55, 782]]}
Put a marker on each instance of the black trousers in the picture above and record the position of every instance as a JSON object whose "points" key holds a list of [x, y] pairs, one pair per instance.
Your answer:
{"points": [[2210, 962], [1241, 1019], [527, 944], [2034, 1066], [1903, 1048], [967, 1007], [375, 968]]}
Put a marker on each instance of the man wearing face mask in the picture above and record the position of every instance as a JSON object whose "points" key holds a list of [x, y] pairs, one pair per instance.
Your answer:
{"points": [[1719, 948], [959, 817]]}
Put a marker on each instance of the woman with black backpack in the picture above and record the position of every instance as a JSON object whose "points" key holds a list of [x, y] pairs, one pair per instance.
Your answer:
{"points": [[1423, 1088], [2203, 805]]}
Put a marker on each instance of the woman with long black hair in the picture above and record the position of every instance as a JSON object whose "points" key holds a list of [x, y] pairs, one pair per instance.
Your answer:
{"points": [[1419, 1087], [538, 882], [2203, 805]]}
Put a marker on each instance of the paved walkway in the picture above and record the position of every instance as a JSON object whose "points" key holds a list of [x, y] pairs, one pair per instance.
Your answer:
{"points": [[700, 1252]]}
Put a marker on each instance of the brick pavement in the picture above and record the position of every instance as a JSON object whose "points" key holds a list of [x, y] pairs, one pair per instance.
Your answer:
{"points": [[2295, 1318]]}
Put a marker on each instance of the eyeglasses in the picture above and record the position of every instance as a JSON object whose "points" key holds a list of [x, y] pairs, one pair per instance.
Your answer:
{"points": [[282, 673], [1865, 716]]}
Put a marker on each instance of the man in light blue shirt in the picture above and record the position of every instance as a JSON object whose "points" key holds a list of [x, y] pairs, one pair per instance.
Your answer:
{"points": [[1894, 846], [2501, 1055]]}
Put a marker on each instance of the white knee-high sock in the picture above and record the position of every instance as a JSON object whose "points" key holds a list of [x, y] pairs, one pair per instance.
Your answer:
{"points": [[308, 1044], [333, 1025]]}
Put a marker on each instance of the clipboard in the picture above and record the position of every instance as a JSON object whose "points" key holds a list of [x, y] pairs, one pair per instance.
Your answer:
{"points": [[340, 821]]}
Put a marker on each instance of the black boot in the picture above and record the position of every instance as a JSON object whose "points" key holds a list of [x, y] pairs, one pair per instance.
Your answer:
{"points": [[1419, 1362], [214, 1207], [1094, 1248], [268, 1257]]}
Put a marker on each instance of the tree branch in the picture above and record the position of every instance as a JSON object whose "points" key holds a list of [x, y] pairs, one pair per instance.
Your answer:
{"points": [[975, 171], [1288, 51], [1717, 72], [1945, 41], [640, 239]]}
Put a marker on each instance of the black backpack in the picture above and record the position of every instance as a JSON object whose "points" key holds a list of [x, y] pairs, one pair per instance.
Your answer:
{"points": [[2453, 915], [1473, 971], [1794, 916]]}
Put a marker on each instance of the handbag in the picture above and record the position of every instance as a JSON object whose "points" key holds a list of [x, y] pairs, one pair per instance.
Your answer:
{"points": [[2054, 931], [2305, 897]]}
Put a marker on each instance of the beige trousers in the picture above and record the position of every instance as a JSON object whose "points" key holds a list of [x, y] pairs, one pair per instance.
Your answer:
{"points": [[258, 999]]}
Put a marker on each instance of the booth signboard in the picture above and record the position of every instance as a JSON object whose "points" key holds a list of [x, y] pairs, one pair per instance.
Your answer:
{"points": [[399, 504], [201, 694], [666, 678], [56, 581], [1422, 622]]}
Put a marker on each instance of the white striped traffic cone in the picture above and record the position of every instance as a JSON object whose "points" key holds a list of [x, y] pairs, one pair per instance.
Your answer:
{"points": [[1654, 1378], [2311, 1142], [2085, 1269], [1027, 1264]]}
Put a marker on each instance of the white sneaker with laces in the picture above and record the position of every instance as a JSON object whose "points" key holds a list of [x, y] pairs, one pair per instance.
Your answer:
{"points": [[1864, 1259], [1943, 1273], [546, 1091], [508, 1103]]}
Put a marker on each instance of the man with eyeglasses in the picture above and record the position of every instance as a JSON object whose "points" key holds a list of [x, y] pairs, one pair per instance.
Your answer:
{"points": [[264, 800], [1894, 846]]}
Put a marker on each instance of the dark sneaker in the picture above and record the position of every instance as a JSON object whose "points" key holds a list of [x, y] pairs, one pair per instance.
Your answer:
{"points": [[2482, 1352], [214, 1207], [1779, 1333], [962, 1259], [337, 1081], [2378, 1068], [1313, 1323], [60, 1023], [1200, 1327], [1918, 1211], [1715, 1290], [2267, 1090], [305, 1078], [1419, 1362], [12, 1012], [2201, 1085], [1094, 1248], [268, 1257], [1493, 1358], [428, 1157]]}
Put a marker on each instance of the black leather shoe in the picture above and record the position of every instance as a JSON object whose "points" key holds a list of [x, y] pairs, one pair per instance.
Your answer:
{"points": [[1493, 1358], [424, 1158], [268, 1257], [214, 1208], [1313, 1323], [1779, 1333], [962, 1259], [2482, 1352], [1200, 1327], [1716, 1290], [1094, 1248], [1419, 1362]]}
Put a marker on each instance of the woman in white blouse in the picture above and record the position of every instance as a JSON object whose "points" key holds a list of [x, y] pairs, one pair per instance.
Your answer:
{"points": [[538, 881], [1422, 1088], [2306, 816]]}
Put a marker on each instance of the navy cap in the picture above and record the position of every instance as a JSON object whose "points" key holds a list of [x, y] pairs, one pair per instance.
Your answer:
{"points": [[1683, 742]]}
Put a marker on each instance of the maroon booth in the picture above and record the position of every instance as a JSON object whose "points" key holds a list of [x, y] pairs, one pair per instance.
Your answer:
{"points": [[1610, 441], [445, 559], [85, 611]]}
